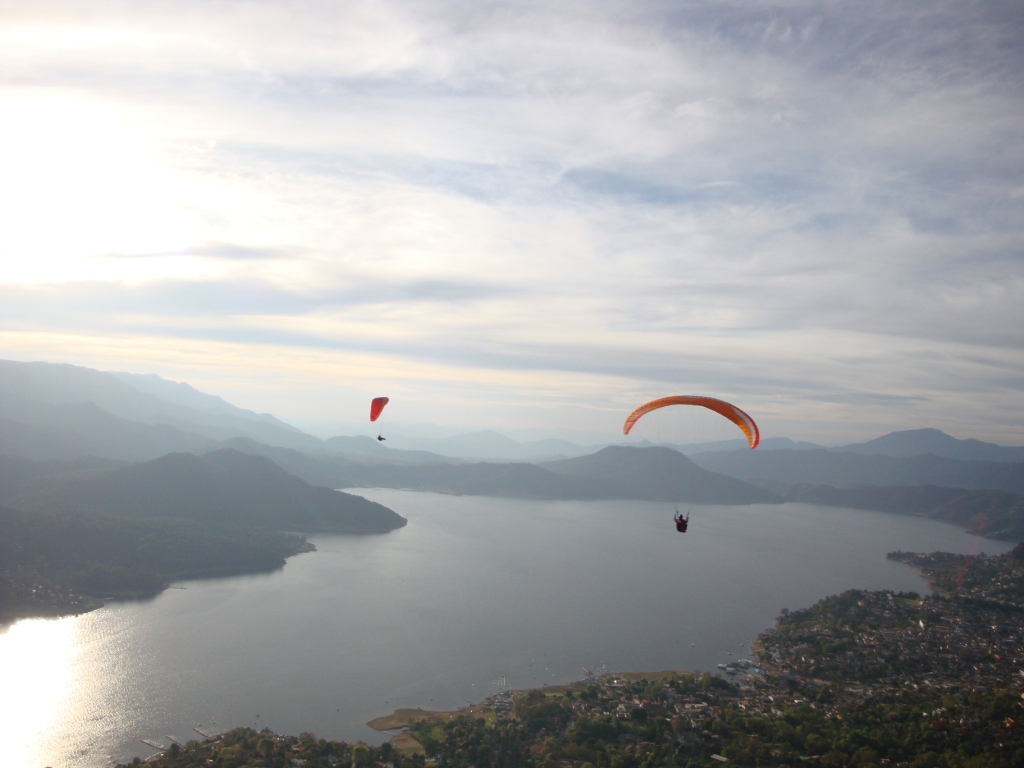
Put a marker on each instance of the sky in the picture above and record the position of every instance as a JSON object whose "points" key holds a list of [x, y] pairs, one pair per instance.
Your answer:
{"points": [[526, 216]]}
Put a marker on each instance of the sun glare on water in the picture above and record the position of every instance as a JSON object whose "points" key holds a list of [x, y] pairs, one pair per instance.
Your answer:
{"points": [[36, 657]]}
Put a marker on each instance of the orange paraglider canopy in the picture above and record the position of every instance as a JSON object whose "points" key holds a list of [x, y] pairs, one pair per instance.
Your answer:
{"points": [[730, 411], [376, 406]]}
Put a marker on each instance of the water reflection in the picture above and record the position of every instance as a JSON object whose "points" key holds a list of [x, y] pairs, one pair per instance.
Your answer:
{"points": [[36, 658]]}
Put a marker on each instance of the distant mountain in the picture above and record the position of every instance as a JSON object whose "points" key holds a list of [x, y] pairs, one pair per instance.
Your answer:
{"points": [[654, 474], [29, 390], [221, 488], [490, 445], [52, 411], [182, 394], [767, 444], [509, 480], [331, 470], [996, 514], [659, 474], [779, 470], [67, 430], [365, 446], [918, 442]]}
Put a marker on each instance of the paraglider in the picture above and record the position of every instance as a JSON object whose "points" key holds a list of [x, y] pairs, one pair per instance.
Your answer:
{"points": [[682, 523], [730, 411], [376, 406]]}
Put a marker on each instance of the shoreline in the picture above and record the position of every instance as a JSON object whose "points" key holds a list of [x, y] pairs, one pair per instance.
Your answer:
{"points": [[498, 707]]}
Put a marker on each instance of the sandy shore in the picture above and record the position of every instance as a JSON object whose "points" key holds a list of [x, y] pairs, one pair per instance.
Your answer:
{"points": [[401, 718]]}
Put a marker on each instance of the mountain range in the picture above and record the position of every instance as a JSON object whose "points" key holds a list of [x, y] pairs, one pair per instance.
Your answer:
{"points": [[28, 391], [919, 442], [50, 411], [615, 472], [779, 470], [57, 411]]}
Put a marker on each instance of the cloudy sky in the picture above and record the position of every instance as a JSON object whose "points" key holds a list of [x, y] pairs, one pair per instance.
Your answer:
{"points": [[526, 215]]}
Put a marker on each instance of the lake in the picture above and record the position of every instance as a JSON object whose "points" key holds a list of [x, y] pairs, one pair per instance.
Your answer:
{"points": [[473, 594]]}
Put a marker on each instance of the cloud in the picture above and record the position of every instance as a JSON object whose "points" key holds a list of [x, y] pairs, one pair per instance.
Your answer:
{"points": [[784, 203]]}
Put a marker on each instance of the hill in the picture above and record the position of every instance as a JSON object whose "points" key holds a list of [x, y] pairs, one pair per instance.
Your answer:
{"points": [[767, 444], [996, 514], [331, 470], [918, 442], [68, 430], [56, 563], [781, 469], [366, 448], [490, 445], [509, 480], [221, 488], [656, 474], [617, 472]]}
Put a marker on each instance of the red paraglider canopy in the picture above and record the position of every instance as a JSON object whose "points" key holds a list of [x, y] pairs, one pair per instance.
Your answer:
{"points": [[376, 406]]}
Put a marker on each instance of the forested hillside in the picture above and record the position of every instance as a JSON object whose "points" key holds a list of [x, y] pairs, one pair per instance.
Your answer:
{"points": [[54, 563]]}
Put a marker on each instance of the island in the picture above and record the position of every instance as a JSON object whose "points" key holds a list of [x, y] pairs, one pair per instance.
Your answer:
{"points": [[864, 678]]}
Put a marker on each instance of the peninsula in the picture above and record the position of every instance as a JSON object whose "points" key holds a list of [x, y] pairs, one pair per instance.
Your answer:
{"points": [[73, 533]]}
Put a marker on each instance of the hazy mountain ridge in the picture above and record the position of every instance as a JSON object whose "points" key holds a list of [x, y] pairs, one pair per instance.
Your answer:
{"points": [[657, 474], [995, 514], [921, 442], [779, 470], [67, 430], [766, 444], [182, 393], [50, 411], [616, 472], [333, 471], [491, 445], [28, 389], [357, 447]]}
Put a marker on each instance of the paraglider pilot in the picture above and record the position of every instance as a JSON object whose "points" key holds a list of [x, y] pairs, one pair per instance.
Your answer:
{"points": [[681, 522]]}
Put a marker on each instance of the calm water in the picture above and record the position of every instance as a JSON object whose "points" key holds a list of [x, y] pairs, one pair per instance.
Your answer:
{"points": [[435, 615]]}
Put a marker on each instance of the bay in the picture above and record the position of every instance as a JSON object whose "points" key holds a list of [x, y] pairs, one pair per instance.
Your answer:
{"points": [[474, 594]]}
